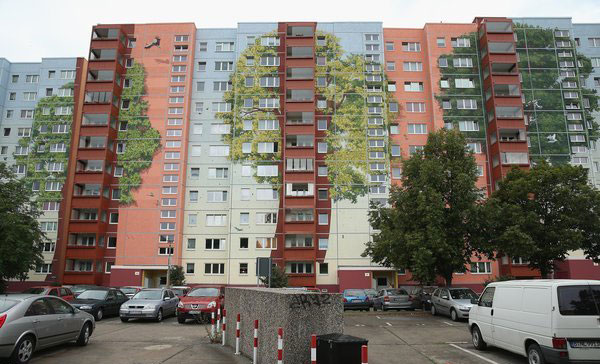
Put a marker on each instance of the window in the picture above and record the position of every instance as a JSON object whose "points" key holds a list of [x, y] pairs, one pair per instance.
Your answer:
{"points": [[114, 218], [218, 173], [464, 83], [411, 46], [415, 107], [32, 79], [214, 244], [466, 104], [390, 66], [216, 219], [29, 96], [481, 268], [371, 37], [243, 269], [167, 226], [322, 147], [299, 268], [468, 125], [460, 42], [323, 219], [413, 86], [221, 86], [441, 42], [413, 66], [216, 196], [417, 128], [266, 243], [243, 243], [201, 66], [389, 46], [189, 268], [474, 147], [214, 268], [267, 194], [225, 46], [191, 244], [323, 268], [322, 171], [223, 66], [218, 151], [193, 196]]}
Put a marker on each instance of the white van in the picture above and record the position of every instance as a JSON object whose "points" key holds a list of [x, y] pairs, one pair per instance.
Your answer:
{"points": [[548, 321]]}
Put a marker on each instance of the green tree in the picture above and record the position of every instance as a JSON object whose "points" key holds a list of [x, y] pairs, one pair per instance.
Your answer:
{"points": [[20, 236], [427, 228], [278, 278], [542, 214], [176, 276]]}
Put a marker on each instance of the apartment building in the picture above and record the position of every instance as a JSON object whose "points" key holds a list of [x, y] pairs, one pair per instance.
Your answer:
{"points": [[208, 148], [37, 104]]}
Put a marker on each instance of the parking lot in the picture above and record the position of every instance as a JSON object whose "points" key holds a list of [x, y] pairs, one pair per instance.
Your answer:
{"points": [[394, 337]]}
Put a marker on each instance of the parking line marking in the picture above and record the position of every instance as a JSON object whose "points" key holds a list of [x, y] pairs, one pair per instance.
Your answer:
{"points": [[387, 323], [447, 323], [474, 354], [379, 318], [457, 342]]}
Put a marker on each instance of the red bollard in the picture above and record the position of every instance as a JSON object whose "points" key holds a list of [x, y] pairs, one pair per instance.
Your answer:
{"points": [[280, 346], [218, 317], [237, 335], [364, 355], [212, 322], [255, 351], [313, 349], [224, 326]]}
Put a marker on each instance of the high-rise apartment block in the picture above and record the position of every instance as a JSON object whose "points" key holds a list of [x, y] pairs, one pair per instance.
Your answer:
{"points": [[208, 148]]}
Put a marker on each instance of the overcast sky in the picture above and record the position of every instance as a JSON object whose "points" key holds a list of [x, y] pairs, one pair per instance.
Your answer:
{"points": [[32, 29]]}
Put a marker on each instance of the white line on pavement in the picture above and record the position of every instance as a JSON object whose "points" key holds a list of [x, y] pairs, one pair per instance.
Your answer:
{"points": [[387, 323], [457, 342], [474, 354], [379, 318], [447, 323]]}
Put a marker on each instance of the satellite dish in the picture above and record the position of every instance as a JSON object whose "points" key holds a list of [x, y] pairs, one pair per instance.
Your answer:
{"points": [[551, 138], [154, 42]]}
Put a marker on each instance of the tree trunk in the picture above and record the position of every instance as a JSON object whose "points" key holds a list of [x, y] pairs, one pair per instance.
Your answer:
{"points": [[448, 279]]}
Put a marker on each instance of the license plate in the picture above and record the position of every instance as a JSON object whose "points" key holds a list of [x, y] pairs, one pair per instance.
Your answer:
{"points": [[195, 312], [356, 300], [135, 312], [585, 344]]}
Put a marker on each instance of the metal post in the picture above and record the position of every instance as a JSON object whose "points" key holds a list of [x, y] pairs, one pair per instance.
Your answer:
{"points": [[169, 266], [313, 349], [237, 335], [280, 345], [224, 326], [255, 351]]}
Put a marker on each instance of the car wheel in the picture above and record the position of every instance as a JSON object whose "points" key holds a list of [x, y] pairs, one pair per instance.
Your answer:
{"points": [[453, 315], [84, 335], [124, 319], [159, 315], [99, 315], [433, 310], [383, 308], [374, 307], [23, 350], [534, 354], [477, 339], [181, 319]]}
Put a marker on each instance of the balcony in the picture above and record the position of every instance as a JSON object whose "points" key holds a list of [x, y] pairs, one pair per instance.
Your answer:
{"points": [[501, 47], [300, 118], [90, 166], [514, 158], [100, 76], [92, 142], [95, 120], [300, 31], [299, 189], [105, 34], [299, 95], [82, 240], [298, 241], [512, 135], [84, 214], [299, 73], [299, 52], [506, 90], [509, 112], [498, 27], [299, 141], [98, 97], [299, 215], [86, 190], [103, 54]]}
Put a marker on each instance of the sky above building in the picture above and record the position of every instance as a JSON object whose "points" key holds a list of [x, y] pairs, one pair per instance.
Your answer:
{"points": [[32, 29]]}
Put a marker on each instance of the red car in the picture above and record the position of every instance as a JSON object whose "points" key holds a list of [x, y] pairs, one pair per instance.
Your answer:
{"points": [[62, 292], [200, 301]]}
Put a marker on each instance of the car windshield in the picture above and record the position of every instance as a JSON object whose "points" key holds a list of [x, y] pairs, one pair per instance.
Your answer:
{"points": [[463, 294], [579, 300], [127, 290], [92, 294], [396, 292], [35, 290], [371, 292], [148, 295], [204, 292], [6, 304], [79, 288], [354, 292]]}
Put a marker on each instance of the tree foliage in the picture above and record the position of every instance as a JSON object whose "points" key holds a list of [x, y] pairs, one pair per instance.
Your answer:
{"points": [[541, 215], [176, 276], [140, 138], [20, 236], [278, 278], [427, 230]]}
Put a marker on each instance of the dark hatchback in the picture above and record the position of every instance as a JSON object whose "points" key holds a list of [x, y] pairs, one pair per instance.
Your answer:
{"points": [[100, 302]]}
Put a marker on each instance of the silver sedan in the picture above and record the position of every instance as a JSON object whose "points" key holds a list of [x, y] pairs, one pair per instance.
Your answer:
{"points": [[150, 303], [30, 322]]}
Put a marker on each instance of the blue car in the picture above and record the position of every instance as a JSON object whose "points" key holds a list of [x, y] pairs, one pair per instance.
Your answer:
{"points": [[356, 299]]}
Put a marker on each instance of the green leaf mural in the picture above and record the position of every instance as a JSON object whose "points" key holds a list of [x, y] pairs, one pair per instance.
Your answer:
{"points": [[340, 82], [141, 140], [49, 142]]}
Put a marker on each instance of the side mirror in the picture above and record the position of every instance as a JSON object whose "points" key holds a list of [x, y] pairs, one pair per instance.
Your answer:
{"points": [[444, 297], [167, 298], [474, 301]]}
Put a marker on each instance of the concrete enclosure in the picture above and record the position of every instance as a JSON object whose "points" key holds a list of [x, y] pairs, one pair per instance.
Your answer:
{"points": [[299, 313]]}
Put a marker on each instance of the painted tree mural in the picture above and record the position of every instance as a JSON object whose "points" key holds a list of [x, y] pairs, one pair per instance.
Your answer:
{"points": [[550, 69], [141, 140], [340, 83]]}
